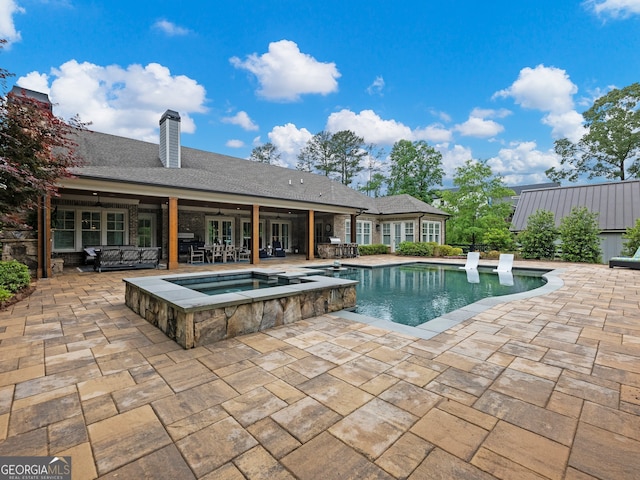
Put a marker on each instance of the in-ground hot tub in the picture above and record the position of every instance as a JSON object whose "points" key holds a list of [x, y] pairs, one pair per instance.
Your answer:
{"points": [[175, 304]]}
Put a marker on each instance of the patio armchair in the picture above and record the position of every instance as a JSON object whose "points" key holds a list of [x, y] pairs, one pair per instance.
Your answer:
{"points": [[628, 262], [278, 251], [505, 263], [196, 255], [473, 258]]}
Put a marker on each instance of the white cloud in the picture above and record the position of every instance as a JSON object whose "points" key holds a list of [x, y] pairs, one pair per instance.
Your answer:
{"points": [[374, 129], [241, 119], [8, 32], [522, 162], [614, 8], [376, 87], [289, 140], [453, 158], [170, 28], [285, 73], [38, 82], [127, 102], [550, 90], [479, 126], [234, 143]]}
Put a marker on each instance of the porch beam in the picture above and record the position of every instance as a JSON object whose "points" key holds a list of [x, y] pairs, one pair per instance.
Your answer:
{"points": [[354, 219], [310, 234], [172, 247], [255, 234]]}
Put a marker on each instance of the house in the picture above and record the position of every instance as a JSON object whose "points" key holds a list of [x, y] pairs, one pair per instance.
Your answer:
{"points": [[130, 192], [616, 203]]}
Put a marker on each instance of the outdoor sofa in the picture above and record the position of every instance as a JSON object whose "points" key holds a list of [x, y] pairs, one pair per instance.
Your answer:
{"points": [[629, 262], [123, 257]]}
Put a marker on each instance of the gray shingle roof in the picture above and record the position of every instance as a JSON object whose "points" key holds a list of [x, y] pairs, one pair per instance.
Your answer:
{"points": [[113, 158], [404, 203], [618, 203]]}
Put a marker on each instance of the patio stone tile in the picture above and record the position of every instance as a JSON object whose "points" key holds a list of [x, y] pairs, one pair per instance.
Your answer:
{"points": [[538, 369], [440, 465], [253, 406], [450, 433], [191, 424], [68, 361], [118, 362], [535, 452], [337, 462], [273, 360], [82, 464], [410, 398], [226, 472], [215, 445], [285, 391], [67, 434], [43, 414], [615, 421], [311, 366], [273, 437], [358, 372], [466, 382], [141, 393], [335, 393], [468, 414], [554, 426], [378, 384], [164, 463], [333, 353], [34, 442], [186, 403], [589, 388], [524, 350], [308, 339], [564, 404], [234, 368], [4, 426], [504, 468], [451, 393], [404, 455], [185, 375], [103, 385], [524, 386], [249, 379], [98, 408], [372, 428], [413, 373], [261, 342], [257, 464], [21, 403], [352, 340], [139, 433], [223, 357], [21, 375], [388, 355], [306, 418], [289, 376], [604, 454]]}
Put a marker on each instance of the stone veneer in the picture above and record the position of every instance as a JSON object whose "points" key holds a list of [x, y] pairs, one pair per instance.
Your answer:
{"points": [[192, 318]]}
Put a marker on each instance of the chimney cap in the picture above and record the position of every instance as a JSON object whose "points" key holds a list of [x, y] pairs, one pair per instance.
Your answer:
{"points": [[170, 114]]}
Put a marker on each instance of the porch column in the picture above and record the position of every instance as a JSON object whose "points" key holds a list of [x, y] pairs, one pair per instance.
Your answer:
{"points": [[310, 232], [172, 246], [43, 269], [354, 219], [255, 234]]}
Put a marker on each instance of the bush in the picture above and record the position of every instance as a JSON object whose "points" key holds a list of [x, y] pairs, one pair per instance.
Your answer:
{"points": [[632, 237], [415, 249], [579, 234], [375, 249], [5, 294], [499, 239], [14, 276], [538, 240]]}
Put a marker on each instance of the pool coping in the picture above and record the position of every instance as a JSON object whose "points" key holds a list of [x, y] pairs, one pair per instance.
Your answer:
{"points": [[444, 322]]}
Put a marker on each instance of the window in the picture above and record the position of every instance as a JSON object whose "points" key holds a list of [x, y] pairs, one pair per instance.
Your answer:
{"points": [[408, 231], [146, 230], [386, 234], [91, 231], [115, 228], [64, 236], [431, 232], [280, 233], [363, 232], [219, 231]]}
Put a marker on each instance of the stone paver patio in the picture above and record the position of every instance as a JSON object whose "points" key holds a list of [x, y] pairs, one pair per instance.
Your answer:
{"points": [[543, 387]]}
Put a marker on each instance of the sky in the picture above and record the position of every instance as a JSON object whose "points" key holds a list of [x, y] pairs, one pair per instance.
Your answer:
{"points": [[495, 81]]}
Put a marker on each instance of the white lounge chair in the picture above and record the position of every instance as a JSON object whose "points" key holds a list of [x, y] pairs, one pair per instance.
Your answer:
{"points": [[505, 278], [473, 258], [505, 263], [473, 276]]}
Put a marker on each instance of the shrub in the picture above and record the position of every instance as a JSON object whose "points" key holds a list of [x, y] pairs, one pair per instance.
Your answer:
{"points": [[416, 249], [499, 239], [632, 237], [5, 294], [579, 234], [375, 249], [14, 276], [538, 240]]}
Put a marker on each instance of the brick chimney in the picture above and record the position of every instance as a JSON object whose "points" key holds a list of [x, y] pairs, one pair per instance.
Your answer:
{"points": [[170, 139]]}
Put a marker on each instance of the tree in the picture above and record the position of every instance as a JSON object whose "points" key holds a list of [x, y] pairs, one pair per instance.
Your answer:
{"points": [[416, 168], [374, 185], [36, 149], [538, 240], [611, 146], [632, 237], [317, 154], [348, 152], [266, 153], [376, 180], [478, 205], [579, 235]]}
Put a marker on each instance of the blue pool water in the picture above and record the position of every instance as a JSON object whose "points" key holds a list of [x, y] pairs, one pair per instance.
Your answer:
{"points": [[416, 293]]}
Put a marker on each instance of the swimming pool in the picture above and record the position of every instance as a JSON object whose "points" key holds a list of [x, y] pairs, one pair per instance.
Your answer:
{"points": [[413, 294]]}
